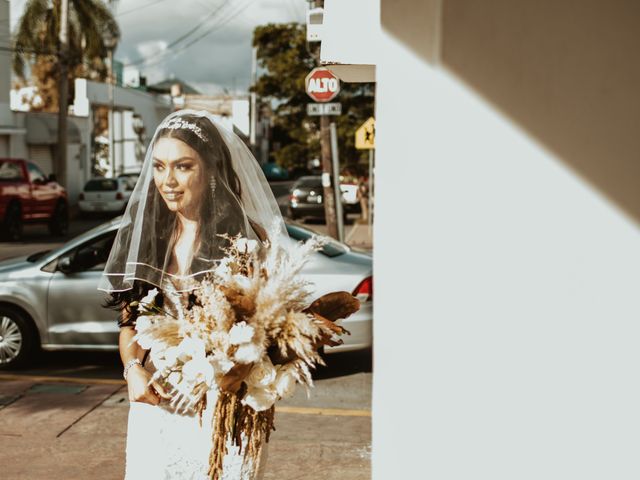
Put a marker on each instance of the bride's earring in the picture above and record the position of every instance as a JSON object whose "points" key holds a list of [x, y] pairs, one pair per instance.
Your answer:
{"points": [[212, 184]]}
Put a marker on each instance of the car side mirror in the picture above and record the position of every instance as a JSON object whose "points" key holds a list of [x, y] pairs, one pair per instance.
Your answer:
{"points": [[65, 265]]}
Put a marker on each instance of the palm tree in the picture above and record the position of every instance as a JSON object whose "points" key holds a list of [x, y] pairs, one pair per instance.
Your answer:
{"points": [[36, 44]]}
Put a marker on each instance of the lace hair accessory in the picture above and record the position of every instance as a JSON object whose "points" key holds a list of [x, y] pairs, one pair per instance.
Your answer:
{"points": [[175, 123], [222, 190]]}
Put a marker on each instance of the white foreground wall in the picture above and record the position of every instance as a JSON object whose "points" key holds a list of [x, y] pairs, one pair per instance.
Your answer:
{"points": [[507, 294]]}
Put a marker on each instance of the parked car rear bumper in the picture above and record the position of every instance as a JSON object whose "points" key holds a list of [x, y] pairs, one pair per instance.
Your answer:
{"points": [[305, 209], [114, 206]]}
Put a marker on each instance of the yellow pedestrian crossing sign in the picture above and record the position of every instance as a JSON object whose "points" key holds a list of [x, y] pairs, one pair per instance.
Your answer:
{"points": [[365, 135]]}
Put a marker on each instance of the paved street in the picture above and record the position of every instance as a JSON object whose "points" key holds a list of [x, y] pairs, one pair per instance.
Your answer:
{"points": [[69, 412]]}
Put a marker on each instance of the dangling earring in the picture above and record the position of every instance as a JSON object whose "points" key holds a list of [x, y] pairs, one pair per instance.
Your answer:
{"points": [[212, 184]]}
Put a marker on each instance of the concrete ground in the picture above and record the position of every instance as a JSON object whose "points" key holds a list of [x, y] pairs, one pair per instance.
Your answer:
{"points": [[75, 428]]}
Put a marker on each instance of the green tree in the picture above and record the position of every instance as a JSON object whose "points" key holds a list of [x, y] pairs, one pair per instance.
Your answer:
{"points": [[36, 45], [285, 59]]}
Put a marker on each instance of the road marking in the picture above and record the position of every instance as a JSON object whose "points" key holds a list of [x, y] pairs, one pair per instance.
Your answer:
{"points": [[339, 412]]}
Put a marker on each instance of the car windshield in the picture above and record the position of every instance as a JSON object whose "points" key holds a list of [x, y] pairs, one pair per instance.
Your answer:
{"points": [[309, 182], [10, 171], [332, 248], [101, 185], [94, 232]]}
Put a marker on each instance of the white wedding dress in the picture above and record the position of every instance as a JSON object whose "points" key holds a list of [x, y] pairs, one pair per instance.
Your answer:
{"points": [[163, 444]]}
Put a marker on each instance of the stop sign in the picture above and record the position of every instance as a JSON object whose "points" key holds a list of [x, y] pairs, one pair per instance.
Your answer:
{"points": [[322, 85]]}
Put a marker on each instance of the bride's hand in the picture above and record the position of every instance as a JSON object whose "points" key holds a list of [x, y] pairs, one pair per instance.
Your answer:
{"points": [[139, 388]]}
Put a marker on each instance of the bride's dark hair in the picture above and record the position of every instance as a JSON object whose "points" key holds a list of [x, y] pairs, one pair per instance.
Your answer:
{"points": [[224, 205]]}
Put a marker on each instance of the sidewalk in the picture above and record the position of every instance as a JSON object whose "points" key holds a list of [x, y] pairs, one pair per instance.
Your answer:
{"points": [[359, 235], [63, 430]]}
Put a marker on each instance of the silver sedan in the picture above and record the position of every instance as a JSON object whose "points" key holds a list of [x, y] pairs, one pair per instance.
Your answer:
{"points": [[49, 299]]}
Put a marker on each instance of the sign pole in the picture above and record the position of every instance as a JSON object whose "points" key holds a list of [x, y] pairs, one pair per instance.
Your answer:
{"points": [[370, 199], [323, 86], [329, 196], [336, 181]]}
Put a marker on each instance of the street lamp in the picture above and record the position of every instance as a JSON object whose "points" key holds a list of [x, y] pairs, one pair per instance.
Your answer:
{"points": [[110, 41]]}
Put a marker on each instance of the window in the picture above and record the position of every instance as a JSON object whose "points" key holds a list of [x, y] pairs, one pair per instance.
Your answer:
{"points": [[128, 184], [101, 185], [93, 255], [10, 172], [309, 182], [35, 175]]}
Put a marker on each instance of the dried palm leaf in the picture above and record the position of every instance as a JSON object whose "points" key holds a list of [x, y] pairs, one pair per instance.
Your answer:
{"points": [[335, 305]]}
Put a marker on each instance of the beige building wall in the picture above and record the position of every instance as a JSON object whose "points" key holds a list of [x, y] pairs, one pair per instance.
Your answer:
{"points": [[507, 294]]}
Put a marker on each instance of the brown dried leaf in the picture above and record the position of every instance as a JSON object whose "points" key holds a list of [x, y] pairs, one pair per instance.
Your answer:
{"points": [[243, 305], [335, 305], [328, 329]]}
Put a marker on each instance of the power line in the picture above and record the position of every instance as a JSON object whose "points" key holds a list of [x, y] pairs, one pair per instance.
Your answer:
{"points": [[139, 7], [187, 34], [162, 56], [222, 24]]}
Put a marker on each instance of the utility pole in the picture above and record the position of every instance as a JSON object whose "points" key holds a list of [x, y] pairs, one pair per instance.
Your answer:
{"points": [[63, 93], [112, 153], [254, 112], [322, 86], [335, 177], [327, 178], [111, 42]]}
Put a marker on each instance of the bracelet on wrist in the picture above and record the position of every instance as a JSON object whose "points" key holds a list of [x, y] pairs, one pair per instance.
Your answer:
{"points": [[130, 364]]}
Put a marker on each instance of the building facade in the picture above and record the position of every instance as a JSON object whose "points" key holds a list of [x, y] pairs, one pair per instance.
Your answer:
{"points": [[507, 135]]}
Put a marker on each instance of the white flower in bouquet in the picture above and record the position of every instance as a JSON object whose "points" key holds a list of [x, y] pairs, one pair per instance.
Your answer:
{"points": [[262, 375], [143, 322], [221, 364], [285, 381], [198, 370], [241, 333], [223, 270], [259, 399], [148, 299], [248, 353], [242, 282], [171, 355], [246, 245], [191, 347]]}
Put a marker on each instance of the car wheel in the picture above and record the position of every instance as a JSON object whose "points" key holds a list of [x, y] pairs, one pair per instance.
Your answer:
{"points": [[13, 223], [17, 338], [59, 224]]}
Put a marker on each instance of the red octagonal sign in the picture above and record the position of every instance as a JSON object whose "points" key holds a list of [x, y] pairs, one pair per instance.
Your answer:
{"points": [[322, 85]]}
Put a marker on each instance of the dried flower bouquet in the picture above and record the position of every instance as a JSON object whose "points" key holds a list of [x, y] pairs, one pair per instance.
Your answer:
{"points": [[252, 335]]}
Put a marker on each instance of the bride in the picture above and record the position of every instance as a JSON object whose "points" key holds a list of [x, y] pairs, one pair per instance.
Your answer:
{"points": [[198, 181]]}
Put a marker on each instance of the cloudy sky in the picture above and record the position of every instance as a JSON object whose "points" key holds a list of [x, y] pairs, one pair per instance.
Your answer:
{"points": [[220, 54]]}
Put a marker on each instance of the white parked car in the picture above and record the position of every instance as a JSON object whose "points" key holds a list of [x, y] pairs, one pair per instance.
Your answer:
{"points": [[109, 195]]}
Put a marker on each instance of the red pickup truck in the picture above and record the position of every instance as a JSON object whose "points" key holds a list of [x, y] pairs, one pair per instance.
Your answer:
{"points": [[28, 196]]}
